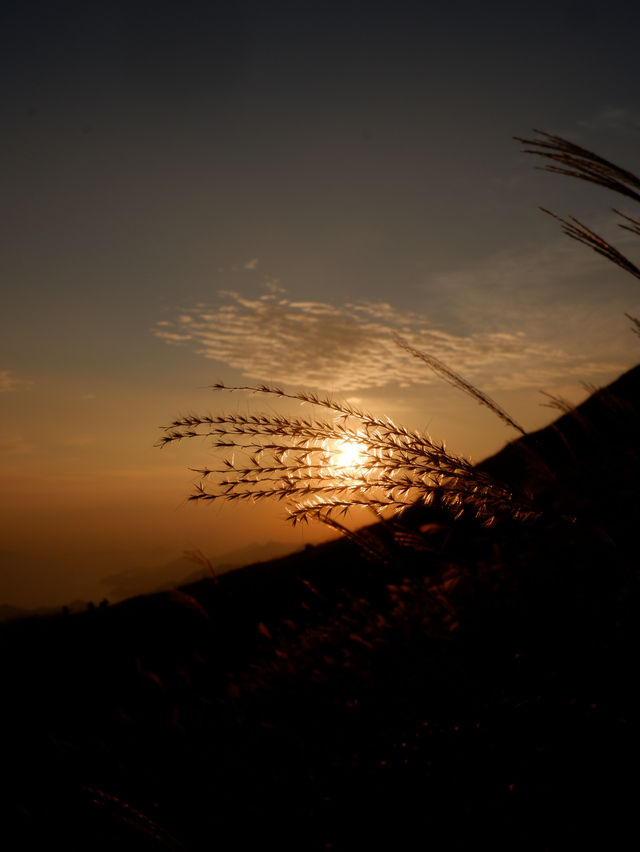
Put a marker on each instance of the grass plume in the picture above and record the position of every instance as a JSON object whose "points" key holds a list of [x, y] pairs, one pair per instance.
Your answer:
{"points": [[580, 163], [574, 161], [635, 324], [300, 460], [578, 231]]}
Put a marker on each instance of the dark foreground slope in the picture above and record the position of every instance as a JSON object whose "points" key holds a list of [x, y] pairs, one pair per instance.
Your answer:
{"points": [[468, 686]]}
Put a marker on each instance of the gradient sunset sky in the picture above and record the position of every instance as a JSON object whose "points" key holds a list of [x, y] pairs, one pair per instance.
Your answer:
{"points": [[263, 192]]}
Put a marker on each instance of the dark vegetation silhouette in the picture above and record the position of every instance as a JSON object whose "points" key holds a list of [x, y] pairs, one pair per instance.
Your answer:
{"points": [[459, 674]]}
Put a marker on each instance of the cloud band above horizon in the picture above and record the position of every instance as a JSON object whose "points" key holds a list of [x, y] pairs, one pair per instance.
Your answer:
{"points": [[351, 348]]}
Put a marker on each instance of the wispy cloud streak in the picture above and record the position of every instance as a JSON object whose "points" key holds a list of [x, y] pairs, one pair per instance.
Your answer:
{"points": [[10, 382], [351, 347]]}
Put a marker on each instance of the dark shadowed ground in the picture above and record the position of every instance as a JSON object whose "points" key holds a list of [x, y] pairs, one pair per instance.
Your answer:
{"points": [[469, 686]]}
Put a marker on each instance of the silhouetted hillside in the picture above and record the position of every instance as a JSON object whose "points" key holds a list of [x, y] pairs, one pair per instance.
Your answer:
{"points": [[443, 684]]}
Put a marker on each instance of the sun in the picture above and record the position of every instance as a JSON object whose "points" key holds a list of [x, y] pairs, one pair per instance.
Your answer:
{"points": [[349, 455]]}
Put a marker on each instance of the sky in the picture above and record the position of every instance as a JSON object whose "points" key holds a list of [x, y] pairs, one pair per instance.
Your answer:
{"points": [[257, 192]]}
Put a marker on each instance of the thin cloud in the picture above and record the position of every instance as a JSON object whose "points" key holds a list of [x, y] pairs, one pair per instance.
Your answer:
{"points": [[549, 291], [251, 264], [15, 444], [10, 383], [613, 118], [350, 348]]}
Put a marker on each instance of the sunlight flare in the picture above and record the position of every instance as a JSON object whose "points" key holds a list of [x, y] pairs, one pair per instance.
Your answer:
{"points": [[349, 455]]}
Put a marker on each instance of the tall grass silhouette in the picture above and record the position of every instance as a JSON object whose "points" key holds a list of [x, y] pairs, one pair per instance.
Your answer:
{"points": [[321, 466], [574, 161]]}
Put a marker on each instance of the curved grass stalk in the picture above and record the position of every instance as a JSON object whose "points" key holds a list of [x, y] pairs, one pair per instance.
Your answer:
{"points": [[460, 382]]}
